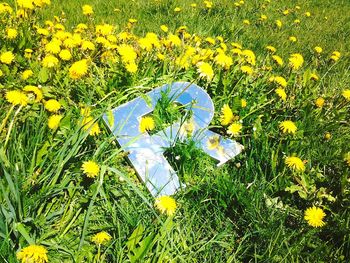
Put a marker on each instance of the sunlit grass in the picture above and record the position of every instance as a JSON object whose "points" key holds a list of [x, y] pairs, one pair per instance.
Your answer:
{"points": [[251, 208]]}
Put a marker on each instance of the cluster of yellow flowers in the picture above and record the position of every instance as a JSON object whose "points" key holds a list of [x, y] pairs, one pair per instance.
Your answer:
{"points": [[58, 47], [228, 118], [206, 4], [88, 123], [79, 54]]}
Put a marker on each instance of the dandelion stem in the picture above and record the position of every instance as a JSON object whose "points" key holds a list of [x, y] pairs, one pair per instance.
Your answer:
{"points": [[98, 253], [3, 123], [11, 125]]}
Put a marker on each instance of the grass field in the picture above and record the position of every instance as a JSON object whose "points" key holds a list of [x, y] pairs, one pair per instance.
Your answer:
{"points": [[278, 73]]}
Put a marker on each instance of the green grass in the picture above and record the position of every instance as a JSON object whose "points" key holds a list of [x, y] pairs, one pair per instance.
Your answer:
{"points": [[238, 212]]}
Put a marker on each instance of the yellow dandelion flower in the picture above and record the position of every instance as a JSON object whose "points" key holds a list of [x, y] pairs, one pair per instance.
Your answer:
{"points": [[164, 28], [78, 69], [226, 116], [328, 136], [160, 56], [247, 70], [346, 94], [295, 163], [307, 14], [25, 4], [336, 53], [59, 26], [278, 60], [335, 56], [288, 127], [7, 57], [210, 40], [22, 13], [223, 46], [131, 67], [146, 124], [281, 93], [101, 238], [11, 33], [174, 40], [43, 31], [85, 111], [52, 105], [28, 53], [50, 61], [5, 8], [319, 102], [81, 27], [281, 81], [54, 121], [88, 124], [246, 22], [236, 45], [243, 103], [71, 42], [271, 49], [90, 168], [234, 129], [278, 23], [87, 10], [314, 76], [53, 47], [104, 29], [177, 9], [208, 4], [263, 17], [318, 49], [205, 70], [65, 55], [236, 51], [41, 3], [16, 97], [223, 60], [27, 74], [127, 53], [249, 56], [292, 39], [36, 91], [87, 45], [33, 253], [296, 61], [166, 205], [314, 216]]}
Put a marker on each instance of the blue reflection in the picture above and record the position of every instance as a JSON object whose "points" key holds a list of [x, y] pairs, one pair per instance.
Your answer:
{"points": [[146, 152]]}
